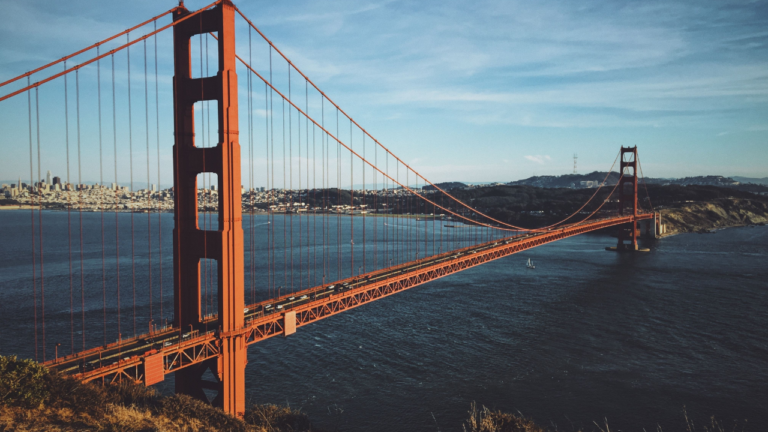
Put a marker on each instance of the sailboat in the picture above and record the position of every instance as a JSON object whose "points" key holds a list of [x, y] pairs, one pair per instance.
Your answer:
{"points": [[530, 264]]}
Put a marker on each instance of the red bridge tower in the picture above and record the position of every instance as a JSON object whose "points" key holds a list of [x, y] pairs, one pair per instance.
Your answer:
{"points": [[191, 244], [628, 198]]}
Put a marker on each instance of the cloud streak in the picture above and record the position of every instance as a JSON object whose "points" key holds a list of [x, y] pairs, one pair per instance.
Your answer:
{"points": [[539, 159]]}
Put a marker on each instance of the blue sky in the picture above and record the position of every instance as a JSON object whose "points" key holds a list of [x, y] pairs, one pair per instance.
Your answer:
{"points": [[476, 91]]}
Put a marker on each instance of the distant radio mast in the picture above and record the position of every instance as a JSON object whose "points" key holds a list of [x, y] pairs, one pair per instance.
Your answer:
{"points": [[575, 156]]}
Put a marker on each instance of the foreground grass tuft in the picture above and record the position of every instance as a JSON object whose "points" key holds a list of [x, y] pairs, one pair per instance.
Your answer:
{"points": [[485, 420]]}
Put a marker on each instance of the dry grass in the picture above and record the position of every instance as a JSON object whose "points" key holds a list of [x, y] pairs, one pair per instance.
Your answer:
{"points": [[33, 399], [485, 420], [64, 404]]}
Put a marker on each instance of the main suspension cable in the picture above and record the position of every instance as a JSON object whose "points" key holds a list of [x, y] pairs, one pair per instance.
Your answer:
{"points": [[406, 166], [99, 57], [96, 45]]}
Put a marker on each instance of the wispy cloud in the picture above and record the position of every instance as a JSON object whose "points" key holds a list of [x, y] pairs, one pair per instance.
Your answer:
{"points": [[539, 159]]}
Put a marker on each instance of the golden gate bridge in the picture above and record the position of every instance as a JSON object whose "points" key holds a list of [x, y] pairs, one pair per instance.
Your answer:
{"points": [[390, 225]]}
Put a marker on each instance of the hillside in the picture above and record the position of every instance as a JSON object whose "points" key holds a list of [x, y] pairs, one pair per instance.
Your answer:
{"points": [[719, 213], [593, 179], [446, 186], [761, 181], [567, 180], [690, 208]]}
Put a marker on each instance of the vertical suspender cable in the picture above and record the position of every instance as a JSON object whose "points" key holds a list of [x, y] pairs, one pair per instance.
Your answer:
{"points": [[442, 204], [290, 173], [250, 170], [426, 227], [32, 215], [40, 221], [351, 206], [69, 216], [364, 212], [338, 202], [80, 206], [306, 105], [375, 209], [101, 206], [272, 164], [387, 218], [159, 202], [314, 200], [397, 218], [285, 215], [117, 202], [271, 179], [130, 164], [408, 210], [149, 184], [323, 184], [298, 214], [269, 191]]}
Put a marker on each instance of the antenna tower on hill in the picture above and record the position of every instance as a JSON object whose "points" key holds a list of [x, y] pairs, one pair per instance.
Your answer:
{"points": [[575, 156]]}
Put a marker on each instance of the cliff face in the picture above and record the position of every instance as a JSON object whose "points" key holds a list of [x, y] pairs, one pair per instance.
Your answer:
{"points": [[719, 213]]}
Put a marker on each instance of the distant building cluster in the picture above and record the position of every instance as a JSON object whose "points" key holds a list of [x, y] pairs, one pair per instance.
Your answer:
{"points": [[587, 184], [52, 193]]}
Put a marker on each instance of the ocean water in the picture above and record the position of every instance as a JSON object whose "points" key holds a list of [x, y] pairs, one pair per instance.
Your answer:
{"points": [[588, 335]]}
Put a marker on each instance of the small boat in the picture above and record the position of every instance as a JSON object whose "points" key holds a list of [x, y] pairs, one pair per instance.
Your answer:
{"points": [[352, 242], [530, 264]]}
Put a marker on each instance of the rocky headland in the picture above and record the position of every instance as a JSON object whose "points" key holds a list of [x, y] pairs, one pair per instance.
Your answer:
{"points": [[713, 215]]}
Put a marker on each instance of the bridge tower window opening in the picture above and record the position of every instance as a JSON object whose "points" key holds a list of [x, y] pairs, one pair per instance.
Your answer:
{"points": [[204, 54], [206, 129]]}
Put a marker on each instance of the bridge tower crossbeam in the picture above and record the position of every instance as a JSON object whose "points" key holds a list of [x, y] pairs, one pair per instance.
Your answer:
{"points": [[190, 243]]}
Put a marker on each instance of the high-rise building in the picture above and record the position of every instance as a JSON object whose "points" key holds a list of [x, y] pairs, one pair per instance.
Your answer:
{"points": [[153, 188], [48, 178], [56, 180]]}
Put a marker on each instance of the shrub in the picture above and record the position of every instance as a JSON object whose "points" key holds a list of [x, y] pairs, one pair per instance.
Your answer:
{"points": [[22, 382]]}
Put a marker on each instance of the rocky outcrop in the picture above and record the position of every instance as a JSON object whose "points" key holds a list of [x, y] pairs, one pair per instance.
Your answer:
{"points": [[721, 213]]}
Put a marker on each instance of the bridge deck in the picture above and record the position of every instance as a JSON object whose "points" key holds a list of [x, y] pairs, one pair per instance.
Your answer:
{"points": [[147, 358]]}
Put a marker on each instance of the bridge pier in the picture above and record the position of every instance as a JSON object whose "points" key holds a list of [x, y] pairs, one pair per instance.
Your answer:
{"points": [[190, 243]]}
